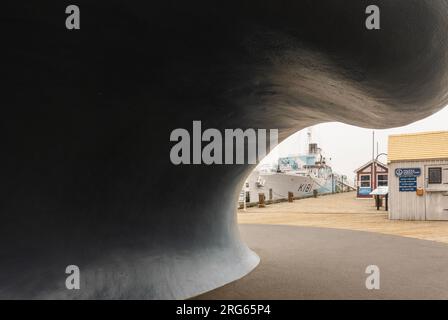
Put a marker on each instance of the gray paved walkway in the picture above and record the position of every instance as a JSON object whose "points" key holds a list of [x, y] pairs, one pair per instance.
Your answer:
{"points": [[320, 263]]}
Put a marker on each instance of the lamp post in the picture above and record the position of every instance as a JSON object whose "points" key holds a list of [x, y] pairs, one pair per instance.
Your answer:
{"points": [[374, 177], [381, 154], [386, 196]]}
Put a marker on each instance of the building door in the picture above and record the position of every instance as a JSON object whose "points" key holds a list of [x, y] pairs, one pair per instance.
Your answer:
{"points": [[436, 181]]}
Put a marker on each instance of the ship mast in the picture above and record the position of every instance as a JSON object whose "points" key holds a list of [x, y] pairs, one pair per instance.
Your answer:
{"points": [[309, 134]]}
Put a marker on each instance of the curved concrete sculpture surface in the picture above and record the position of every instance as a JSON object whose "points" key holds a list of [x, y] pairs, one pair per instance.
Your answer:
{"points": [[86, 177]]}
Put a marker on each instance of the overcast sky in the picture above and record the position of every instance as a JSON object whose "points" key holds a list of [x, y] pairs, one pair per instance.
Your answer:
{"points": [[349, 147]]}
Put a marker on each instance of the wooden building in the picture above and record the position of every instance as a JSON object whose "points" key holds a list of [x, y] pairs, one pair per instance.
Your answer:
{"points": [[418, 176], [370, 176]]}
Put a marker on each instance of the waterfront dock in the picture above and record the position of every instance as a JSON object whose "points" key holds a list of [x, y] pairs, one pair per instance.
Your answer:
{"points": [[342, 211]]}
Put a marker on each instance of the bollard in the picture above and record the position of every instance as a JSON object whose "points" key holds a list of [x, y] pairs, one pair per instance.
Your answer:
{"points": [[290, 197], [261, 200], [378, 202]]}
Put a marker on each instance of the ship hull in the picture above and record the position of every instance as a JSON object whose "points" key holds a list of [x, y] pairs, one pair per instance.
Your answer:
{"points": [[276, 186]]}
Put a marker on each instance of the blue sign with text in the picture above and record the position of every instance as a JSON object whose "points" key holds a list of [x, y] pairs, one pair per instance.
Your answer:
{"points": [[408, 184], [364, 191], [408, 172]]}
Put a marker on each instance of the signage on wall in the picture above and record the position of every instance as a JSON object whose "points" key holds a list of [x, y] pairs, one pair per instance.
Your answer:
{"points": [[364, 191], [408, 178], [408, 172], [408, 184]]}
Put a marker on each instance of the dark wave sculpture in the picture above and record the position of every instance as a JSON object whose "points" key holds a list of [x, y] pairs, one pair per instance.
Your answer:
{"points": [[86, 117]]}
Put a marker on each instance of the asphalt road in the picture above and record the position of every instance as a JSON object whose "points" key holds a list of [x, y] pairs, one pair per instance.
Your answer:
{"points": [[320, 263]]}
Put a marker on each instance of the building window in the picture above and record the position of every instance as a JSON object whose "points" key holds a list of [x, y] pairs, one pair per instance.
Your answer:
{"points": [[435, 175], [365, 181], [382, 180]]}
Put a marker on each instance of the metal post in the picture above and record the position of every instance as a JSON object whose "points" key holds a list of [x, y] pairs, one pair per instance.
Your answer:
{"points": [[373, 179], [261, 200], [244, 201], [332, 183]]}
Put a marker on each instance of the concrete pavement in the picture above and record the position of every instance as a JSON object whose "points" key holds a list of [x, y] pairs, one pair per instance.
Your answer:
{"points": [[343, 211], [320, 263]]}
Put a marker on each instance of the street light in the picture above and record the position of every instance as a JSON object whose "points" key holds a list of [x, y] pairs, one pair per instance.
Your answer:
{"points": [[377, 198], [381, 154], [374, 169]]}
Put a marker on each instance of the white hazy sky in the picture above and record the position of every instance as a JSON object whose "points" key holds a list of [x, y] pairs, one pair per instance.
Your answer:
{"points": [[348, 146]]}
